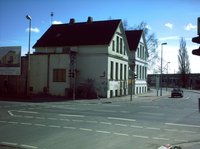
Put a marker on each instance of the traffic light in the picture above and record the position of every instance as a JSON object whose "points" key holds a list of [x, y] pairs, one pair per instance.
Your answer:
{"points": [[197, 39], [71, 74]]}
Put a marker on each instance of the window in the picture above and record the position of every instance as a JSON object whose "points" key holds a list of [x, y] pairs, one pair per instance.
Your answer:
{"points": [[116, 71], [121, 70], [117, 44], [125, 72], [113, 45], [120, 45], [59, 75], [111, 70]]}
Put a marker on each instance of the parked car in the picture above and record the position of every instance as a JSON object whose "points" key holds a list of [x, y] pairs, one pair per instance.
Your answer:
{"points": [[177, 92]]}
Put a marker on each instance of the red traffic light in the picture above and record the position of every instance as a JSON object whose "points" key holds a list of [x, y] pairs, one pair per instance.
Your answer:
{"points": [[196, 52]]}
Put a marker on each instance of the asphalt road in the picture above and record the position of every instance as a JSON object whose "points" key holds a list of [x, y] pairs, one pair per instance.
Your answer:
{"points": [[141, 124]]}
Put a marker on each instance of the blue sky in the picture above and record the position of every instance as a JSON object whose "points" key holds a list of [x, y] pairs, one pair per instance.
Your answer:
{"points": [[168, 19]]}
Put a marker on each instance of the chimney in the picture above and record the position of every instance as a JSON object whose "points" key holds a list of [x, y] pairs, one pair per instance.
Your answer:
{"points": [[90, 19], [72, 21]]}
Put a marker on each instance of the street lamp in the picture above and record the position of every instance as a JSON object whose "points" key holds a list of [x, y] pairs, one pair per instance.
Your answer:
{"points": [[161, 67], [29, 44]]}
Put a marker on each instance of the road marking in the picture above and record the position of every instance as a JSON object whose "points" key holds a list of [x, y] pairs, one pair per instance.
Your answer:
{"points": [[54, 126], [155, 107], [157, 138], [172, 130], [41, 118], [13, 122], [69, 127], [185, 131], [26, 123], [40, 125], [111, 111], [124, 111], [28, 146], [152, 128], [28, 117], [85, 129], [183, 125], [77, 121], [134, 126], [153, 114], [122, 119], [138, 136], [121, 134], [123, 125], [3, 121], [178, 140], [10, 113], [72, 115], [52, 118], [92, 122], [64, 119], [105, 132], [22, 111], [106, 123], [9, 143]]}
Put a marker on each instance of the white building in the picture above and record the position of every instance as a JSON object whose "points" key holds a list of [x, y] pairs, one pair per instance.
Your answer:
{"points": [[138, 56], [85, 58]]}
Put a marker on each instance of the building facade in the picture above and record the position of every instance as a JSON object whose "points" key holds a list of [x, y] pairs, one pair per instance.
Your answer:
{"points": [[93, 61], [138, 58]]}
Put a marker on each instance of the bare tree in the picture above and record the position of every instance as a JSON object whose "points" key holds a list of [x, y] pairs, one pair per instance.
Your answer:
{"points": [[151, 42], [183, 62], [183, 58]]}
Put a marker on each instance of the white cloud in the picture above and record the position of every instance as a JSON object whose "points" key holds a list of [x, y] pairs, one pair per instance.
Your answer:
{"points": [[35, 30], [57, 22], [189, 27], [169, 25]]}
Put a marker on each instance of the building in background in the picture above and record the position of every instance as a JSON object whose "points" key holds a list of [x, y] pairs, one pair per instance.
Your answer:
{"points": [[138, 58]]}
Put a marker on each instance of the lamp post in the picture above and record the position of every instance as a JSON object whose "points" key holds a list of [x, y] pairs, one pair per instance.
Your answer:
{"points": [[161, 67], [29, 45], [167, 74]]}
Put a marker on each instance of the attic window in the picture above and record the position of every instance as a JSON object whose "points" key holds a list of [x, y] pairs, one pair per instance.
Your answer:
{"points": [[58, 35]]}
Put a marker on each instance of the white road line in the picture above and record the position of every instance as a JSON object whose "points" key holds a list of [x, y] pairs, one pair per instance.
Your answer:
{"points": [[122, 119], [22, 111], [134, 126], [153, 114], [100, 131], [124, 111], [185, 131], [106, 123], [64, 119], [92, 122], [72, 115], [123, 125], [52, 118], [10, 113], [120, 134], [172, 130], [67, 127], [77, 121], [41, 118], [54, 126], [154, 107], [19, 116], [28, 117], [9, 143], [157, 138], [178, 140], [111, 111], [183, 125], [41, 125], [138, 136], [85, 129], [13, 122], [26, 123], [28, 146], [3, 121], [152, 128], [111, 105]]}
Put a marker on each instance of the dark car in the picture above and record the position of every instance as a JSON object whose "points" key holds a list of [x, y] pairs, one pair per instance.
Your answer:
{"points": [[177, 92]]}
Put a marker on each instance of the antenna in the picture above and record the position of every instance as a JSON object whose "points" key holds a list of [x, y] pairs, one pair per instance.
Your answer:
{"points": [[51, 17]]}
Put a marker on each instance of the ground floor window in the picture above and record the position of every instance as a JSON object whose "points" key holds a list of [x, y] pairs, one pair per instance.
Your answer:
{"points": [[59, 75]]}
